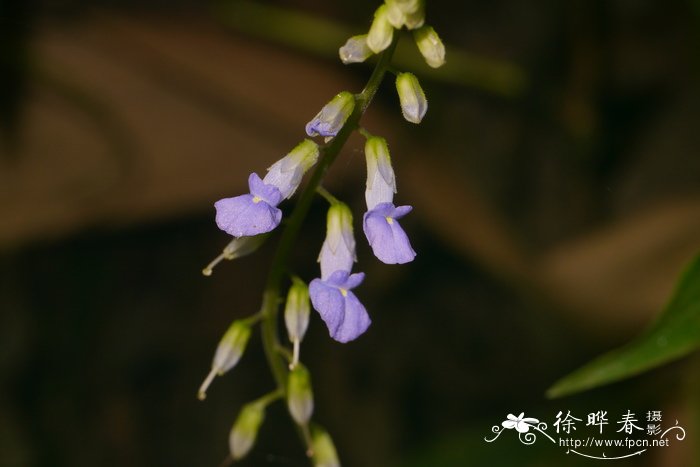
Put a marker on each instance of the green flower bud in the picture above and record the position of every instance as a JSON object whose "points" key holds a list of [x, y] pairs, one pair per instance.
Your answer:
{"points": [[415, 17], [245, 429], [300, 399], [430, 46], [325, 454], [381, 32], [296, 314], [412, 98], [395, 14], [229, 351], [409, 13]]}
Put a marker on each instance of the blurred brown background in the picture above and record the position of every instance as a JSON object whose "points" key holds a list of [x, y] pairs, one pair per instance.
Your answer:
{"points": [[556, 187]]}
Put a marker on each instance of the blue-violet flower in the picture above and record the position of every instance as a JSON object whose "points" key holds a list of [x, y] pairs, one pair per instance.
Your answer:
{"points": [[388, 240], [344, 315], [250, 214]]}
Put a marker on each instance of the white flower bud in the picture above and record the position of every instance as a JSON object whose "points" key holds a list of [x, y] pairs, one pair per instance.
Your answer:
{"points": [[325, 454], [329, 121], [245, 429], [355, 50], [381, 32], [412, 98], [228, 353], [430, 46], [286, 173], [381, 182], [338, 249], [300, 399]]}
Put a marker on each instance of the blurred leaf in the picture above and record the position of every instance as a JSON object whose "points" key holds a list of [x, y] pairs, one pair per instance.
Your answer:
{"points": [[675, 334]]}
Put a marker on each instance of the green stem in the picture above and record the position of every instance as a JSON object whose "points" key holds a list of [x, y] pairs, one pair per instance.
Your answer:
{"points": [[326, 194], [272, 294]]}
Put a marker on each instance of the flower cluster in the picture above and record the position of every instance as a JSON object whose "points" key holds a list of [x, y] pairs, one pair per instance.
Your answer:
{"points": [[390, 16], [250, 218]]}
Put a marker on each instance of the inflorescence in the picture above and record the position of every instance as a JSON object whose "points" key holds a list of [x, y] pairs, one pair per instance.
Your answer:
{"points": [[250, 218]]}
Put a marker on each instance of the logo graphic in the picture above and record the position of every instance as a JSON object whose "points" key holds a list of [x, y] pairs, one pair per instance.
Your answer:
{"points": [[630, 436]]}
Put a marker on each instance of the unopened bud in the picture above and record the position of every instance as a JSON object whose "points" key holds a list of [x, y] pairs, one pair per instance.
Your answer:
{"points": [[332, 116], [381, 182], [286, 173], [430, 46], [237, 248], [338, 249], [355, 50], [395, 14], [300, 399], [414, 105], [381, 32], [324, 453], [227, 354], [296, 315], [245, 429], [410, 13], [415, 16]]}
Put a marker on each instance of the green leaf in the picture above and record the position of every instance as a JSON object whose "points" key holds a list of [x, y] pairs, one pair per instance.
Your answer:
{"points": [[675, 334]]}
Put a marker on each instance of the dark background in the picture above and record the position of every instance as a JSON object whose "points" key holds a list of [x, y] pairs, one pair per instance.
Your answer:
{"points": [[556, 187]]}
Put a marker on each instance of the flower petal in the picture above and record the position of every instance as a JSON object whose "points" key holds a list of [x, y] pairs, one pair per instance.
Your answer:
{"points": [[388, 240], [339, 278], [354, 280], [329, 303], [268, 193], [242, 216], [355, 322], [286, 180]]}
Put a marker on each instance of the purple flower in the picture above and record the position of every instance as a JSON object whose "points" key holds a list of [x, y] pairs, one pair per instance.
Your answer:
{"points": [[339, 308], [250, 214], [385, 235]]}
